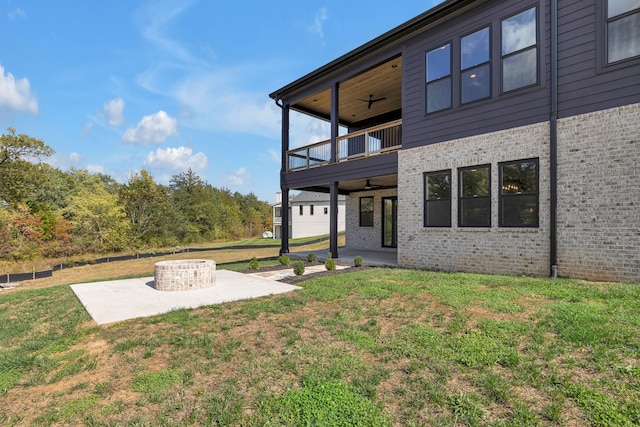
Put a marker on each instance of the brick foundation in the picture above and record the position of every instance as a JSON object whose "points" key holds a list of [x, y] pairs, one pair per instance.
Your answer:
{"points": [[598, 196], [482, 250], [598, 201]]}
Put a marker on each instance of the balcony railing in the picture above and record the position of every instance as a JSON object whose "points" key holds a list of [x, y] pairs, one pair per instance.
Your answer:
{"points": [[355, 145]]}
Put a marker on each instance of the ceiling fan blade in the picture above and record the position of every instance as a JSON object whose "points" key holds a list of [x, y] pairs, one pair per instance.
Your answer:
{"points": [[371, 100]]}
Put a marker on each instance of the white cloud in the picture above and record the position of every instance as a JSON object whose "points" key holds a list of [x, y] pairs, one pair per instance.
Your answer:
{"points": [[64, 161], [152, 129], [93, 169], [87, 128], [316, 28], [316, 130], [211, 98], [17, 13], [178, 159], [272, 155], [156, 18], [16, 94], [214, 101], [113, 111], [519, 31], [238, 178]]}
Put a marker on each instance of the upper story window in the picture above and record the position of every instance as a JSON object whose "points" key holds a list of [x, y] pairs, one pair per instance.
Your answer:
{"points": [[366, 211], [474, 204], [301, 210], [311, 210], [519, 193], [520, 50], [437, 203], [278, 212], [623, 29], [475, 66], [438, 65]]}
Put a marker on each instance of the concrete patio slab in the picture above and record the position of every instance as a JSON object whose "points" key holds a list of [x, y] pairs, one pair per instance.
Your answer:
{"points": [[288, 272], [372, 258], [118, 300]]}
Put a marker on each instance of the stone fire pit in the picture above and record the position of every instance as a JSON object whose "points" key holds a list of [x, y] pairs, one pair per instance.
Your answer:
{"points": [[184, 275]]}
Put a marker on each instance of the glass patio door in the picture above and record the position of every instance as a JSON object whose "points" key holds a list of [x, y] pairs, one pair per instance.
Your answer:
{"points": [[389, 222]]}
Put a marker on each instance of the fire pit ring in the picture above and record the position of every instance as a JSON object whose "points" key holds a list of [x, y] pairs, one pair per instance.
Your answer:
{"points": [[184, 275]]}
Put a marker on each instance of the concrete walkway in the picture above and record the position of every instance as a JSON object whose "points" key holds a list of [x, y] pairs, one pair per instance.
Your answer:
{"points": [[372, 258], [118, 300]]}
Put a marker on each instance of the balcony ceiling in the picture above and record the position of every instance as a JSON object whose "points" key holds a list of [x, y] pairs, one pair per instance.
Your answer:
{"points": [[382, 81], [379, 182]]}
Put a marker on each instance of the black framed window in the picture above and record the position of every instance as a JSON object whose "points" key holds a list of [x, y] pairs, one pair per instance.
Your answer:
{"points": [[326, 211], [301, 210], [437, 195], [518, 202], [623, 29], [474, 200], [366, 211], [311, 210], [438, 79], [520, 50], [475, 66]]}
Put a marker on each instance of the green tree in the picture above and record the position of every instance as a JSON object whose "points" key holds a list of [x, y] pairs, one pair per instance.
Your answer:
{"points": [[147, 207], [100, 222], [257, 214], [21, 234], [19, 176], [192, 199]]}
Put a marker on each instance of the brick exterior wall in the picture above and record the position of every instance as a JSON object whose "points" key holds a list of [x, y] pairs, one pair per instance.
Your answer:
{"points": [[483, 250], [598, 201], [599, 196], [366, 238]]}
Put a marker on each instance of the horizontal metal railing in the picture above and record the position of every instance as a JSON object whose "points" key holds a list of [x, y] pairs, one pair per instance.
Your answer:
{"points": [[355, 145]]}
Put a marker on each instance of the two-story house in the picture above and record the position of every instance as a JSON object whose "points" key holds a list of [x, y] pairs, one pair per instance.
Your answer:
{"points": [[308, 214], [484, 136]]}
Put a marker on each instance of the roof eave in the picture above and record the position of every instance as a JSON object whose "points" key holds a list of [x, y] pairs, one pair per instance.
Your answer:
{"points": [[396, 35]]}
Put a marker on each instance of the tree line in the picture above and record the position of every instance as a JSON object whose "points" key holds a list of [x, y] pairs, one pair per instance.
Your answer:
{"points": [[47, 212]]}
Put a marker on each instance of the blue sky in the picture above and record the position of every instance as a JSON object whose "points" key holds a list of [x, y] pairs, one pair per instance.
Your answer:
{"points": [[117, 87]]}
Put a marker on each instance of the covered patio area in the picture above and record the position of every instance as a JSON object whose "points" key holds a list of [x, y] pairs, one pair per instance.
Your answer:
{"points": [[346, 256]]}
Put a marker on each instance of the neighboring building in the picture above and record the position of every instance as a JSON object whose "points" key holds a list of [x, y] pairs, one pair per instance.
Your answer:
{"points": [[309, 214], [484, 136]]}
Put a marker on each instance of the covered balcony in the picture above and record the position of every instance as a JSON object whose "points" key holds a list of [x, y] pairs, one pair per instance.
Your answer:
{"points": [[360, 96], [365, 112], [354, 145]]}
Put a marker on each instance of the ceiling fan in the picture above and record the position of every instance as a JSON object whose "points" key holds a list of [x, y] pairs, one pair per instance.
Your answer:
{"points": [[372, 100], [369, 186]]}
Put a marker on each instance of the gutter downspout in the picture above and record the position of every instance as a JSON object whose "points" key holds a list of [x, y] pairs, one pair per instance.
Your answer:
{"points": [[553, 144]]}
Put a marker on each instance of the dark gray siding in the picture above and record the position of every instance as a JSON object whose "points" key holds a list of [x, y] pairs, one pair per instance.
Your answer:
{"points": [[501, 111], [585, 83]]}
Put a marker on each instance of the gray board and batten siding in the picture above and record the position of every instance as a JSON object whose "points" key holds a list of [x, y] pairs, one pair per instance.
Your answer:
{"points": [[585, 82], [499, 111]]}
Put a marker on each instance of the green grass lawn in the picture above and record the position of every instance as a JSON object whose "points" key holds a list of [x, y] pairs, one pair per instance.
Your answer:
{"points": [[373, 347]]}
